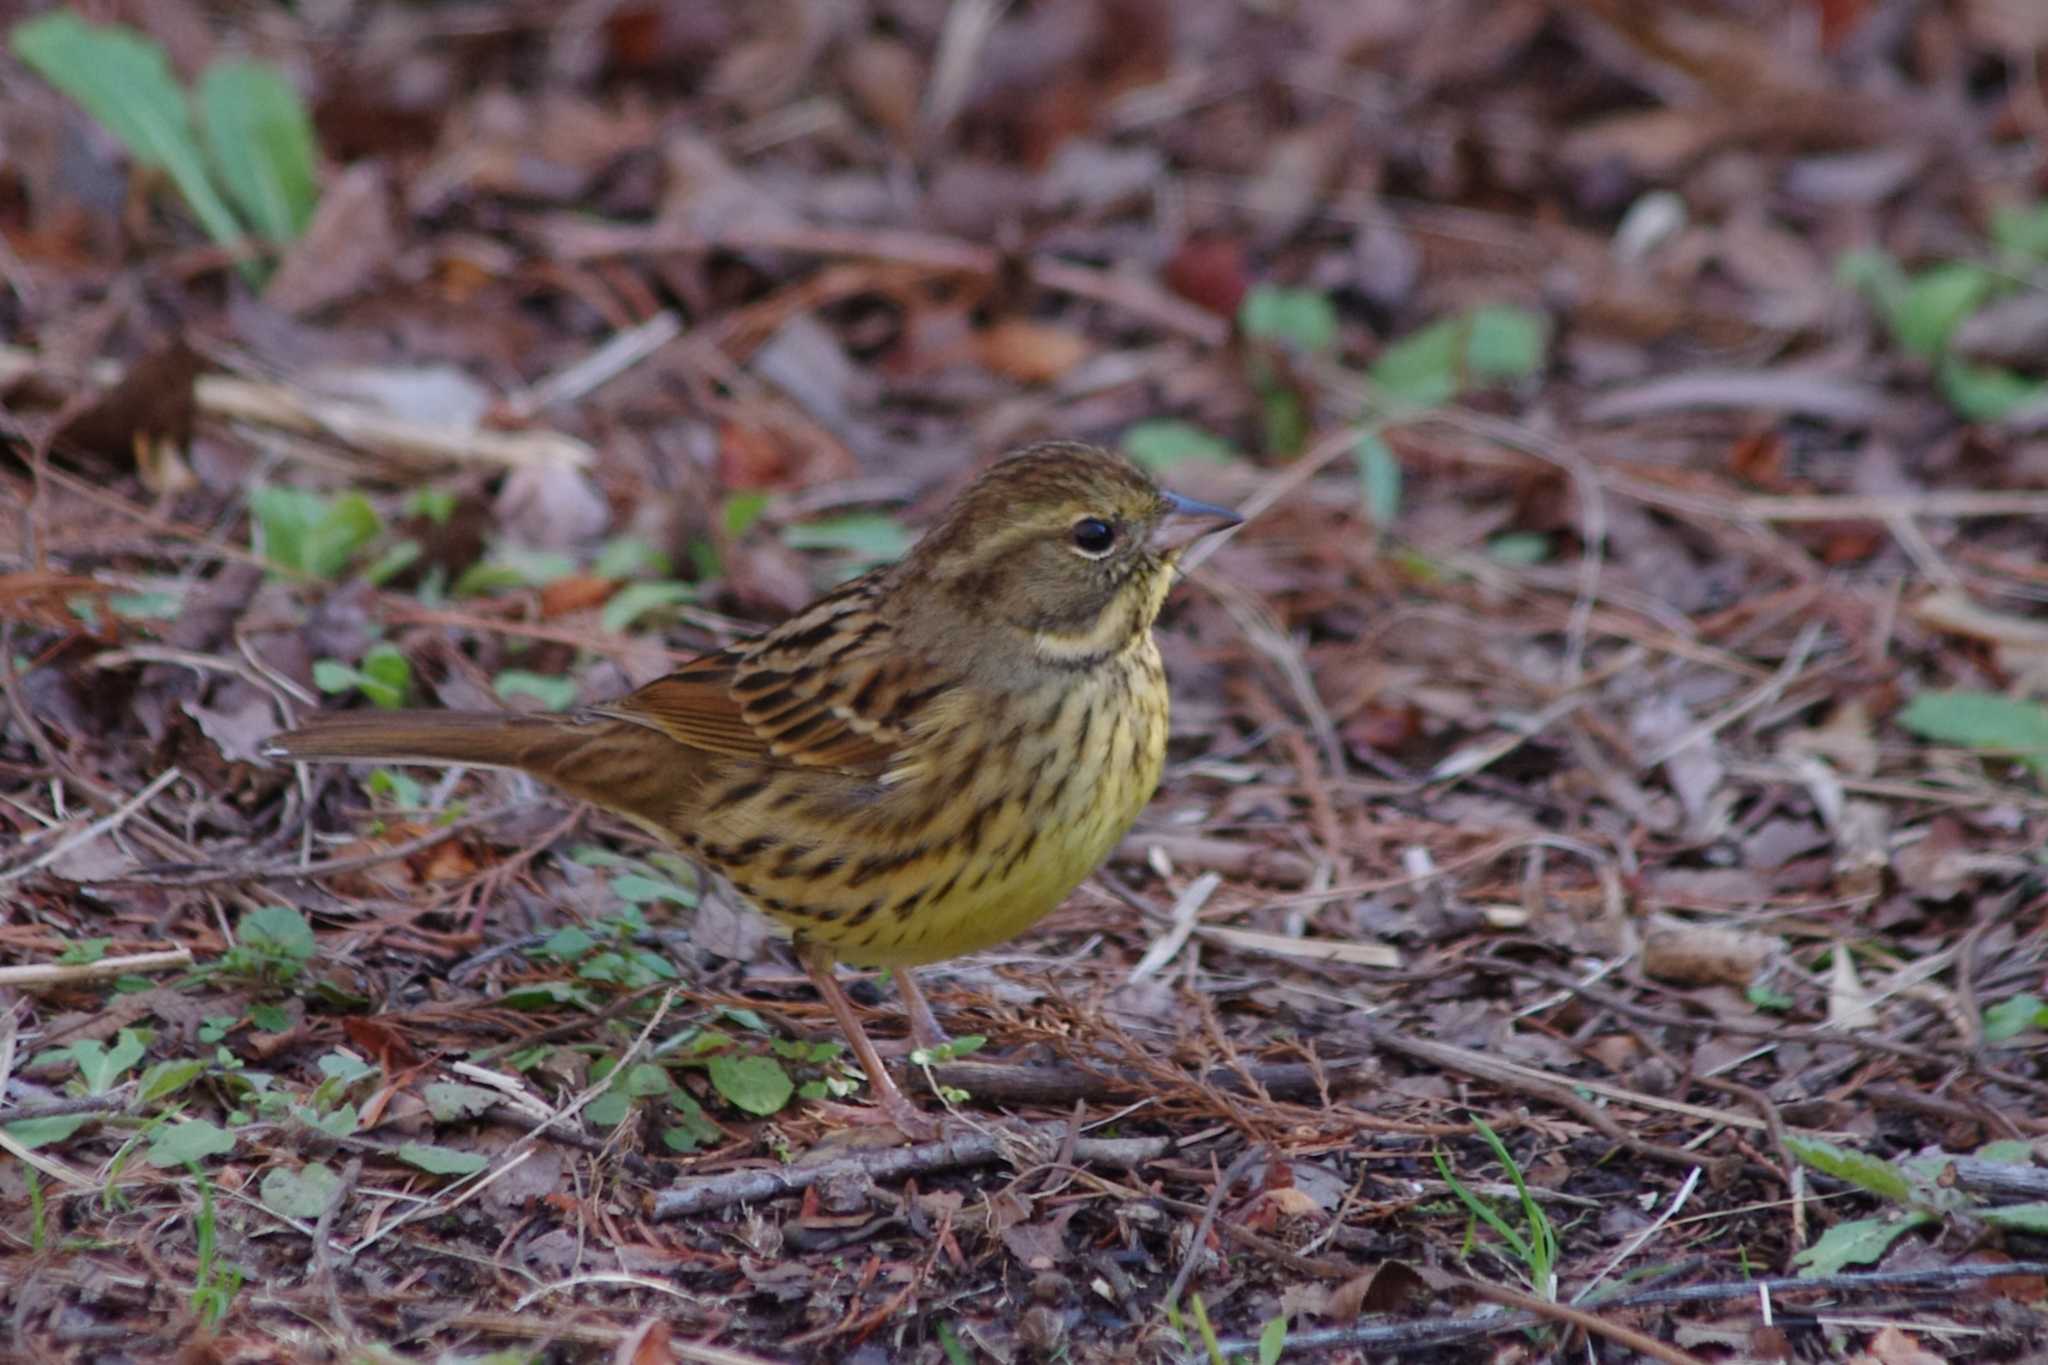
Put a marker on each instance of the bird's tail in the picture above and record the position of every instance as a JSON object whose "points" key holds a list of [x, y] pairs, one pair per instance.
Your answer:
{"points": [[612, 763]]}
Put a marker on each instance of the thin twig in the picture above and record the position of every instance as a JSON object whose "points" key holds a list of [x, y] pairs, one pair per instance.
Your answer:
{"points": [[969, 1149], [117, 816]]}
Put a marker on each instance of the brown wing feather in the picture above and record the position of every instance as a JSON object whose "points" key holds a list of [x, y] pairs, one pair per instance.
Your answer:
{"points": [[819, 691]]}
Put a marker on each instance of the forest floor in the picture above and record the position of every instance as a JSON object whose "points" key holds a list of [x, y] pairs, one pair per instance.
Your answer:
{"points": [[1596, 906]]}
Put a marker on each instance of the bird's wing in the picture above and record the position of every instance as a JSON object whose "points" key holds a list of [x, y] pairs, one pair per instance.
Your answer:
{"points": [[823, 690]]}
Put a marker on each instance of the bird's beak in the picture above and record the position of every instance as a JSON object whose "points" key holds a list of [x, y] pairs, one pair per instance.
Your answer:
{"points": [[1187, 521]]}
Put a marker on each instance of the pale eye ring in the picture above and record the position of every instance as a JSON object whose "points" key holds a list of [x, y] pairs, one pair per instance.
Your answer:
{"points": [[1094, 537]]}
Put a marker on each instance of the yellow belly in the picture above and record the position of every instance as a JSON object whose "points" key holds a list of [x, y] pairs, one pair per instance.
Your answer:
{"points": [[1004, 806]]}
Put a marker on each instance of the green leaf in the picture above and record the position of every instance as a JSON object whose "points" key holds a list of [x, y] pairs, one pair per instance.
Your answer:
{"points": [[608, 1110], [555, 693], [278, 930], [303, 532], [1882, 1178], [339, 1066], [84, 953], [1505, 342], [124, 81], [441, 1160], [282, 517], [2006, 1151], [1934, 302], [343, 526], [2024, 1217], [2022, 229], [1985, 393], [511, 566], [1379, 479], [1300, 318], [1519, 547], [1982, 720], [402, 791], [337, 1123], [386, 676], [568, 943], [691, 1118], [1861, 1241], [542, 995], [333, 676], [635, 600], [639, 890], [643, 1079], [146, 606], [758, 1085], [166, 1079], [1163, 442], [34, 1133], [742, 510], [630, 557], [437, 505], [102, 1067], [301, 1194], [950, 1050], [269, 1018], [870, 537], [1283, 420], [191, 1140], [392, 562], [2009, 1018], [1272, 1341], [1765, 998], [1422, 369], [262, 143]]}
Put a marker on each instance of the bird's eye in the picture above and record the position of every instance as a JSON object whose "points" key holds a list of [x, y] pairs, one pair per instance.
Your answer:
{"points": [[1093, 536]]}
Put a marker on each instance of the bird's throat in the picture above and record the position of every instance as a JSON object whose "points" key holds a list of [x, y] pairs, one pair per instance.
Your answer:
{"points": [[1117, 628]]}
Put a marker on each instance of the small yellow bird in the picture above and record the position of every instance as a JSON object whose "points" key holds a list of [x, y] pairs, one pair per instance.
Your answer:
{"points": [[920, 764]]}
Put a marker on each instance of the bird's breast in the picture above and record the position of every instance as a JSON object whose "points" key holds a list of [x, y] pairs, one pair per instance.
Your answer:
{"points": [[1006, 802]]}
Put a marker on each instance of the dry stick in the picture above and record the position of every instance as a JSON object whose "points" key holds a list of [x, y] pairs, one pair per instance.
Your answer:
{"points": [[323, 1254], [971, 1149], [98, 827], [1776, 1032], [113, 1102], [1064, 1084], [352, 423], [54, 974], [1558, 1091], [1216, 1196], [1377, 1336], [1762, 695], [1590, 1323], [1187, 908], [1291, 1260], [291, 872]]}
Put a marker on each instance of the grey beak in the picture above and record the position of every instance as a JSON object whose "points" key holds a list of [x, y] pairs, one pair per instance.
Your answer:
{"points": [[1187, 521]]}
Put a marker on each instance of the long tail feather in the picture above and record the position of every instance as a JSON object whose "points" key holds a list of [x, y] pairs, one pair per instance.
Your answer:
{"points": [[612, 763]]}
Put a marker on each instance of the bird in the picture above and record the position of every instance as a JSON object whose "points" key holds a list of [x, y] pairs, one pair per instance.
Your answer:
{"points": [[922, 763]]}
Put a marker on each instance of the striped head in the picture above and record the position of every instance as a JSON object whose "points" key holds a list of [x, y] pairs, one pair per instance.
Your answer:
{"points": [[1067, 548]]}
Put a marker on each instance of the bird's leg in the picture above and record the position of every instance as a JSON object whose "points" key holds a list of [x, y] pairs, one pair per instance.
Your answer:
{"points": [[925, 1031], [901, 1112]]}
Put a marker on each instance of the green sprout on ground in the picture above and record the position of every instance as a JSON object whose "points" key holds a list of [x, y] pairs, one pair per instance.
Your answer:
{"points": [[1918, 1195], [1534, 1244], [252, 166], [1926, 311]]}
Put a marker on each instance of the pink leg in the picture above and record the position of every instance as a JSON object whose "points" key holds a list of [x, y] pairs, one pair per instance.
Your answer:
{"points": [[925, 1031], [893, 1102]]}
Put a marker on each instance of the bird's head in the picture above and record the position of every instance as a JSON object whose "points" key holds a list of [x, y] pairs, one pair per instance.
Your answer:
{"points": [[1069, 545]]}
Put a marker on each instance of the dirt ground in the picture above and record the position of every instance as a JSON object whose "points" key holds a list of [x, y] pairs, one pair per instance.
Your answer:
{"points": [[1596, 906]]}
